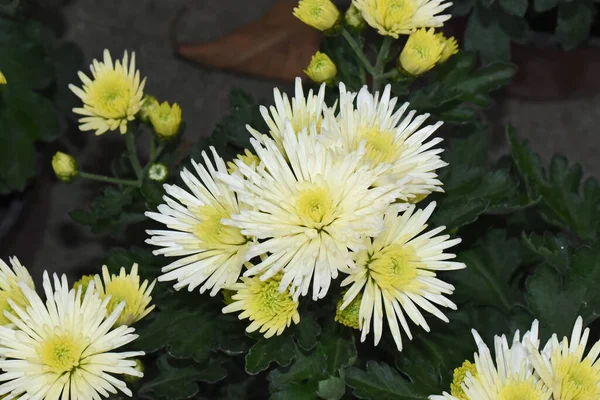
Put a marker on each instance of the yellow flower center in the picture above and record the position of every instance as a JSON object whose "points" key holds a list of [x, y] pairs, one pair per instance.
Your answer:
{"points": [[520, 390], [212, 232], [271, 303], [349, 315], [579, 380], [110, 93], [61, 353], [458, 378], [395, 268], [315, 206], [380, 146], [397, 12], [16, 295]]}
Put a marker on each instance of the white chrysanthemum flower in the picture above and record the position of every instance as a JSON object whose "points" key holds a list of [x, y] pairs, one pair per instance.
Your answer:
{"points": [[509, 376], [389, 139], [112, 97], [9, 286], [309, 212], [302, 112], [402, 17], [213, 254], [563, 368], [395, 273], [64, 348]]}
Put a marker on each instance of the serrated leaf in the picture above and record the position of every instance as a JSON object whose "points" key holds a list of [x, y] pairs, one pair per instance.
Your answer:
{"points": [[279, 349], [490, 268], [544, 5], [177, 380], [332, 388], [485, 35], [381, 382], [551, 249], [574, 22], [308, 368], [338, 348], [515, 7], [307, 331]]}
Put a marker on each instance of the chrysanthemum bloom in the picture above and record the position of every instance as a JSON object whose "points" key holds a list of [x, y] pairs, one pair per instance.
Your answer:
{"points": [[270, 310], [402, 17], [354, 18], [64, 348], [112, 97], [320, 14], [389, 139], [2, 79], [421, 52], [321, 68], [302, 113], [150, 103], [65, 166], [511, 376], [563, 368], [247, 157], [166, 120], [450, 47], [349, 315], [125, 287], [212, 254], [83, 283], [9, 286], [307, 213], [396, 274]]}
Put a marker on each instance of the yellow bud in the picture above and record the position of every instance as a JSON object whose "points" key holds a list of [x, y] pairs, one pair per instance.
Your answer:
{"points": [[2, 79], [421, 52], [354, 18], [166, 120], [65, 167], [139, 366], [349, 315], [321, 68], [450, 47], [458, 378], [150, 103], [84, 282], [320, 14], [247, 158], [158, 172]]}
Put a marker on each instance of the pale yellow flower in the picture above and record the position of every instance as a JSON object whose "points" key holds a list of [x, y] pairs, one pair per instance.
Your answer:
{"points": [[247, 157], [354, 18], [402, 17], [2, 79], [166, 120], [320, 14], [10, 287], [321, 68], [65, 166], [112, 97], [449, 47], [150, 103], [349, 315], [421, 52]]}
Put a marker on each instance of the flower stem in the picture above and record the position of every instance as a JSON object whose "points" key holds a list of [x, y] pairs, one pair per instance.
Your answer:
{"points": [[132, 153], [155, 153], [108, 179], [357, 50], [377, 73]]}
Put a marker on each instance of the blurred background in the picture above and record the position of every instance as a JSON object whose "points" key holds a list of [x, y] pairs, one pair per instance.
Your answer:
{"points": [[557, 109]]}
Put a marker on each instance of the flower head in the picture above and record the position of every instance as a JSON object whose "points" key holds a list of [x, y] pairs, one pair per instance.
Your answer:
{"points": [[422, 51], [65, 347], [396, 272], [10, 280], [166, 120], [2, 79], [449, 45], [354, 18], [459, 376], [112, 97], [348, 316], [388, 139], [320, 14], [65, 166], [270, 310], [210, 254], [321, 68], [402, 17], [125, 288], [564, 369], [307, 213], [302, 112], [158, 172], [248, 158], [83, 283], [150, 103]]}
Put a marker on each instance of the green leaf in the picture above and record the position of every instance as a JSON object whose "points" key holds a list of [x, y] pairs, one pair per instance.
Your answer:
{"points": [[553, 250], [381, 382], [564, 201], [332, 388], [280, 349], [177, 380], [557, 302], [307, 331], [462, 7], [544, 5], [515, 7], [574, 22], [307, 370], [485, 35], [487, 280], [148, 264], [153, 192]]}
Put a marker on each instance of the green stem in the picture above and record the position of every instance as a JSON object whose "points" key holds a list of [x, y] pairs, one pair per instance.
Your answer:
{"points": [[155, 154], [358, 51], [152, 146], [108, 179], [377, 73], [132, 154]]}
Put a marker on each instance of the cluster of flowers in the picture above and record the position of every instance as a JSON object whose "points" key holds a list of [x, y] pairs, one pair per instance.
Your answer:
{"points": [[423, 49], [523, 371], [329, 190], [66, 347]]}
